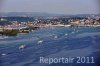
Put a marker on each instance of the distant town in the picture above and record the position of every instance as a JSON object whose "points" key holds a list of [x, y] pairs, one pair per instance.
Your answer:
{"points": [[13, 25]]}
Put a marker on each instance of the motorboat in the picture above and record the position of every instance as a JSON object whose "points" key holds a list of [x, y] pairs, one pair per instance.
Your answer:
{"points": [[56, 37], [66, 34], [3, 54], [22, 46], [40, 41], [73, 32]]}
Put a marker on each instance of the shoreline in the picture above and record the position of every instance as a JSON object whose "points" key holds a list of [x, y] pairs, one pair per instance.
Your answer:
{"points": [[10, 33]]}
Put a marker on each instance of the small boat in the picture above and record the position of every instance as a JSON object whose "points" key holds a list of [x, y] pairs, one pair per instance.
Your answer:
{"points": [[40, 41], [22, 46], [56, 37], [73, 32], [6, 37], [3, 54], [74, 29], [3, 37], [66, 34]]}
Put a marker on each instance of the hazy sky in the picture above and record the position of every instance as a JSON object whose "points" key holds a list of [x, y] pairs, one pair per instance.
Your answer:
{"points": [[50, 6]]}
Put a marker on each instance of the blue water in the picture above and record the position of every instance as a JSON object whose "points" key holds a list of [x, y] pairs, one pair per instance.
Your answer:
{"points": [[69, 42]]}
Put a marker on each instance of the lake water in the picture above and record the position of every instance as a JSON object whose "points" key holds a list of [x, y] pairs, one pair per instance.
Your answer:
{"points": [[51, 42]]}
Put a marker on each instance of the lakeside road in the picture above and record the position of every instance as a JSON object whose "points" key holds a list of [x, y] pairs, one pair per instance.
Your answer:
{"points": [[61, 25]]}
